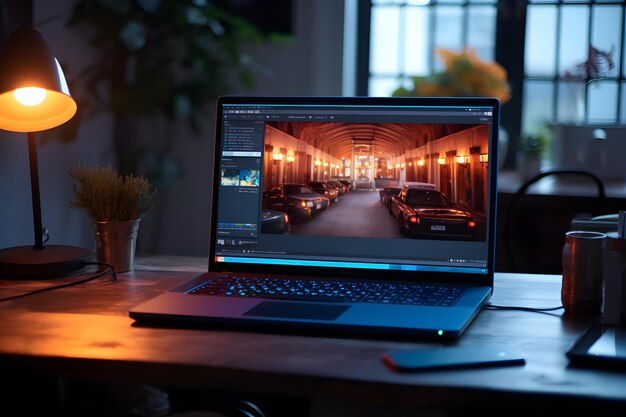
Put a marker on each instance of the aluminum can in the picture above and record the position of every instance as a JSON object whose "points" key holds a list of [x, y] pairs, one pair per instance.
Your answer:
{"points": [[583, 257]]}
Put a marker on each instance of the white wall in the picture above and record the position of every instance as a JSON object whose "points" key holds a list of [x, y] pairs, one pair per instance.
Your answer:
{"points": [[311, 64]]}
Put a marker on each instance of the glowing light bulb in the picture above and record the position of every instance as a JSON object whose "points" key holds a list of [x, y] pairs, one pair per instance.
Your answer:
{"points": [[30, 96]]}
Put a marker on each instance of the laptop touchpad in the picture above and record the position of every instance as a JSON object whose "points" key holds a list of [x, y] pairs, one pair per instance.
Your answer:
{"points": [[311, 311]]}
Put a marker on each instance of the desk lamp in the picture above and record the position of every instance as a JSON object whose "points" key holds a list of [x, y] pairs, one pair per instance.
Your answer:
{"points": [[34, 96]]}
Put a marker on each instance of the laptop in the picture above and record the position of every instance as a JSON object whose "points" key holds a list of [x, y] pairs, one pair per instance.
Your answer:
{"points": [[301, 238]]}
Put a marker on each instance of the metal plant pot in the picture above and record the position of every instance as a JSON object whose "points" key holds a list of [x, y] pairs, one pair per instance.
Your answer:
{"points": [[115, 243]]}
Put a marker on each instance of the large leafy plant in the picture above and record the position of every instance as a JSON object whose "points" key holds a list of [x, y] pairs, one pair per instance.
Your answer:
{"points": [[160, 62]]}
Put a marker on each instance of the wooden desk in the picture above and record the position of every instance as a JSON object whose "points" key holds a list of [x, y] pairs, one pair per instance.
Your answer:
{"points": [[84, 332]]}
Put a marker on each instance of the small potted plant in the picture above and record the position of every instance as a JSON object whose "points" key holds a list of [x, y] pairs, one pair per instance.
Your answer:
{"points": [[530, 154], [115, 204]]}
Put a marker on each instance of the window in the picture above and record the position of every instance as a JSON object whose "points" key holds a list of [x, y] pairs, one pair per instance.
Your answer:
{"points": [[573, 70], [564, 58], [404, 35]]}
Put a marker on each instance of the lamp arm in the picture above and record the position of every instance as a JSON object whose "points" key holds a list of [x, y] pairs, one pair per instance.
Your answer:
{"points": [[34, 188]]}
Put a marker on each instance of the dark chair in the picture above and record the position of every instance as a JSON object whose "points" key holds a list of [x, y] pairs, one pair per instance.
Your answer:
{"points": [[534, 226]]}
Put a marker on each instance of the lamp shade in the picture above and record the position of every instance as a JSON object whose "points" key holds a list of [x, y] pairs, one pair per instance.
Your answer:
{"points": [[34, 95]]}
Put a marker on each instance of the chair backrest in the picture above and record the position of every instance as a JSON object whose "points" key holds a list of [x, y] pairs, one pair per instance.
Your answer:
{"points": [[533, 237]]}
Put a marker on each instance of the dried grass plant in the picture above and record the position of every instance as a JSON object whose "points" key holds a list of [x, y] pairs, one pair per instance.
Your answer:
{"points": [[108, 196]]}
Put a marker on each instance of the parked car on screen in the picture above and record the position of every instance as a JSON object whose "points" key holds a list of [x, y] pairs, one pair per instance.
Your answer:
{"points": [[428, 213], [320, 187], [275, 222], [336, 186], [299, 201], [346, 183], [386, 193], [339, 186]]}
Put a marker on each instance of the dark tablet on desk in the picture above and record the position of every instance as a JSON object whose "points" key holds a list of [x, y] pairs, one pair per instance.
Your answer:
{"points": [[455, 357], [601, 346]]}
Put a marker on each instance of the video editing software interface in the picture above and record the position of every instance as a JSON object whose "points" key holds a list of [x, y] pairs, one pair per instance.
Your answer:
{"points": [[354, 186]]}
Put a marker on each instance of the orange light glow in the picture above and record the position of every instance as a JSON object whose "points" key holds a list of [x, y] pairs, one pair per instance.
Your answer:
{"points": [[20, 111], [30, 96], [462, 159]]}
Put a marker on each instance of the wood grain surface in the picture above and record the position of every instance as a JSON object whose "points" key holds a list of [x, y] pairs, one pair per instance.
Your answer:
{"points": [[85, 332]]}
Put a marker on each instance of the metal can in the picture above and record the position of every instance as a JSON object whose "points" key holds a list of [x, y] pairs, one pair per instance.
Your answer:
{"points": [[582, 258]]}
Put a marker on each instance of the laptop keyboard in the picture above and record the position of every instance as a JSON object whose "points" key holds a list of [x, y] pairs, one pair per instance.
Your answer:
{"points": [[331, 291]]}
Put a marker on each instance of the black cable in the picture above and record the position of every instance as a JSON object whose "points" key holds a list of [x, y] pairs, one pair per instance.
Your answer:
{"points": [[98, 274], [111, 267], [497, 307]]}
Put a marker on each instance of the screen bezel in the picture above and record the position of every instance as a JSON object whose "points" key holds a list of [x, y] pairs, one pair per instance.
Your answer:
{"points": [[396, 275]]}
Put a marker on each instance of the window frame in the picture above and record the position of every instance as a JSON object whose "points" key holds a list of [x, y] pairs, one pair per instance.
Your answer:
{"points": [[510, 53]]}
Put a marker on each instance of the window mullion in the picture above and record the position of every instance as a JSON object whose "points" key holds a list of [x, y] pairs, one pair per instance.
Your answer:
{"points": [[364, 21], [402, 17], [465, 21], [556, 90], [510, 39], [590, 15], [620, 66]]}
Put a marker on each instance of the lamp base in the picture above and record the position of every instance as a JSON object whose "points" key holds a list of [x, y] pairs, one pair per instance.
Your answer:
{"points": [[53, 261]]}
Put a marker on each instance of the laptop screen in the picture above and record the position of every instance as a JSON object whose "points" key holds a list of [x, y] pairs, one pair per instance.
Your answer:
{"points": [[369, 186]]}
